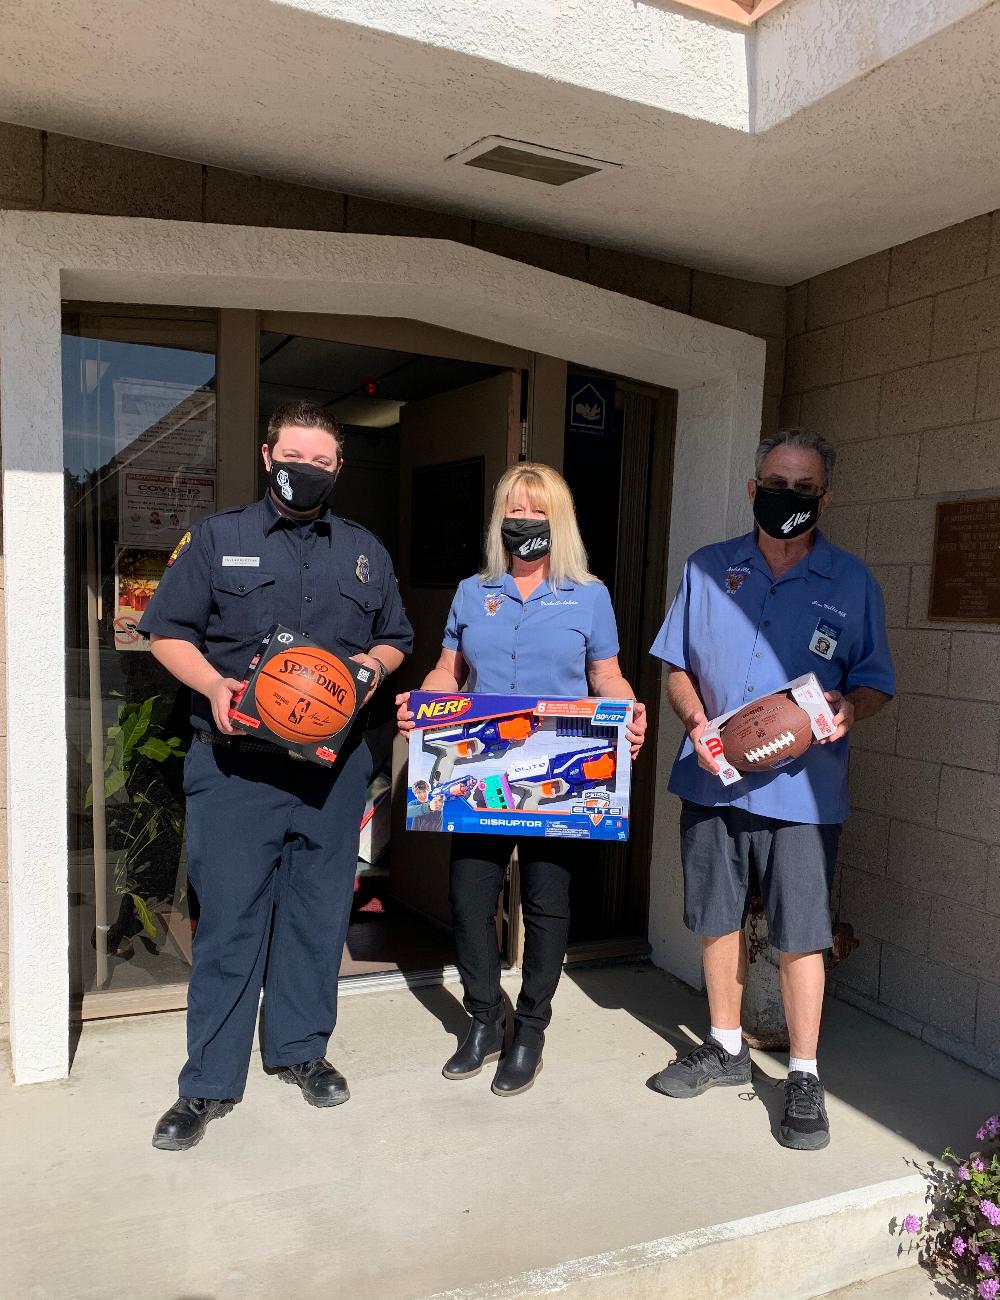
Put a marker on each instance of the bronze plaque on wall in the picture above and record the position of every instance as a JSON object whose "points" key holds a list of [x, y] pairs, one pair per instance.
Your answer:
{"points": [[965, 579]]}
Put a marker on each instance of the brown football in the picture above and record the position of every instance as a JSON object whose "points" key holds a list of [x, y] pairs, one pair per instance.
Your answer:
{"points": [[766, 732]]}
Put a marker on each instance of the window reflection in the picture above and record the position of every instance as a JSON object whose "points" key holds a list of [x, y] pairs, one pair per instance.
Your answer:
{"points": [[139, 437]]}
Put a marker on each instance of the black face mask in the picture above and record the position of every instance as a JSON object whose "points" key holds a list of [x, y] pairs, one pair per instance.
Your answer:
{"points": [[784, 514], [300, 487], [527, 539]]}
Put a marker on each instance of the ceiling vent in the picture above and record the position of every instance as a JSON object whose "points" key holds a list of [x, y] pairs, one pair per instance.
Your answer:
{"points": [[531, 162]]}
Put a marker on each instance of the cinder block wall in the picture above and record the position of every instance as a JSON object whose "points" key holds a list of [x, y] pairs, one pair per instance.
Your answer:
{"points": [[41, 171], [896, 359]]}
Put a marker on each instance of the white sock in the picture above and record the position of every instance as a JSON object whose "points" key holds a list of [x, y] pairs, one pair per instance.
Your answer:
{"points": [[730, 1039], [807, 1067]]}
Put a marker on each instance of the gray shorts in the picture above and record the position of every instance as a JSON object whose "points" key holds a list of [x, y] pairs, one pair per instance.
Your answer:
{"points": [[794, 861]]}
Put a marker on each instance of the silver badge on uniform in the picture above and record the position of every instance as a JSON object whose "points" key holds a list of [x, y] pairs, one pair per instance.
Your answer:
{"points": [[363, 569]]}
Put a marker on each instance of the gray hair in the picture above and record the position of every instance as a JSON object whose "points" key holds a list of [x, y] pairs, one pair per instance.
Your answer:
{"points": [[802, 439]]}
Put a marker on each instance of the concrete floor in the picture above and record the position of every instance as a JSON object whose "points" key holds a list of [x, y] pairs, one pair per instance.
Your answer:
{"points": [[420, 1186]]}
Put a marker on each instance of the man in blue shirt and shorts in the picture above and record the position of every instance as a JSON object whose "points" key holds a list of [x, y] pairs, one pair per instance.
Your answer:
{"points": [[752, 614]]}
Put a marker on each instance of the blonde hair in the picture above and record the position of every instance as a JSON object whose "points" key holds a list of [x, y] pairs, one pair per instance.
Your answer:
{"points": [[545, 490]]}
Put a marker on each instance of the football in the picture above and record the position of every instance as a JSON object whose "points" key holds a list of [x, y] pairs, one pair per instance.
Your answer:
{"points": [[765, 733]]}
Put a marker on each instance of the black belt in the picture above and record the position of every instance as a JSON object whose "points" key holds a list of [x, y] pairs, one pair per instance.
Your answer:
{"points": [[246, 745]]}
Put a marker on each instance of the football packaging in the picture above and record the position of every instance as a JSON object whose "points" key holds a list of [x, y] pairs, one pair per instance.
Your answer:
{"points": [[300, 696], [771, 731], [519, 765]]}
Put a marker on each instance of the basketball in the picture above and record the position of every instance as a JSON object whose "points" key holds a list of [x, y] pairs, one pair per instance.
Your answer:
{"points": [[305, 695], [765, 733]]}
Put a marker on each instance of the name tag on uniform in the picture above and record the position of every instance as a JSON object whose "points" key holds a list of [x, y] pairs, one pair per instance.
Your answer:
{"points": [[241, 561], [824, 639]]}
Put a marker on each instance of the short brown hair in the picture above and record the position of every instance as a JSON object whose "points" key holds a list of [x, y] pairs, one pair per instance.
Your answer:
{"points": [[301, 414]]}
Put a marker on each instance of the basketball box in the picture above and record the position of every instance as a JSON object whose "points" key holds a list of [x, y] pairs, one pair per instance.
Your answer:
{"points": [[770, 736], [519, 765], [300, 696]]}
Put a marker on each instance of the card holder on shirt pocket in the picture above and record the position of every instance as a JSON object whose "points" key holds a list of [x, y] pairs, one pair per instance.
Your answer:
{"points": [[359, 606], [245, 598]]}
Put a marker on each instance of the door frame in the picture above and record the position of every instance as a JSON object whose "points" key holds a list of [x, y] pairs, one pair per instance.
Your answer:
{"points": [[45, 256]]}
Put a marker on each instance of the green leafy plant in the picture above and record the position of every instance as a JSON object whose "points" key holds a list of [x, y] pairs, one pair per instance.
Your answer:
{"points": [[963, 1226], [140, 806]]}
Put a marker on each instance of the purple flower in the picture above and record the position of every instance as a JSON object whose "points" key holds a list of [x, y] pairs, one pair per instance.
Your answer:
{"points": [[963, 1173], [959, 1246], [990, 1129], [990, 1213], [985, 1263], [988, 1289], [978, 1165], [911, 1223]]}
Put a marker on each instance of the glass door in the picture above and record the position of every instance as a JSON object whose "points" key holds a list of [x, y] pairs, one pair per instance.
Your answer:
{"points": [[139, 413]]}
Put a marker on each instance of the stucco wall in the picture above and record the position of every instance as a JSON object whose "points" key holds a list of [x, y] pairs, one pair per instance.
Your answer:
{"points": [[896, 359], [43, 171]]}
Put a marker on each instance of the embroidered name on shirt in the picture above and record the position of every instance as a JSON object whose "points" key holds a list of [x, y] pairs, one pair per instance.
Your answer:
{"points": [[832, 608], [241, 561], [559, 602]]}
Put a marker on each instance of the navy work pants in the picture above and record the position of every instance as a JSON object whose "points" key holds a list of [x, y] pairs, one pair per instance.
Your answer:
{"points": [[272, 851]]}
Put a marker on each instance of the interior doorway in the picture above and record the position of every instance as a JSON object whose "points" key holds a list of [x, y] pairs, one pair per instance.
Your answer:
{"points": [[418, 429]]}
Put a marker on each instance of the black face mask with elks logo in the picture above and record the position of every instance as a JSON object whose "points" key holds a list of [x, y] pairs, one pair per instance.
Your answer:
{"points": [[527, 539], [783, 514]]}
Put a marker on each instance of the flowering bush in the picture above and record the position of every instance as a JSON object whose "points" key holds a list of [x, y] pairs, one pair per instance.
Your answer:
{"points": [[963, 1225]]}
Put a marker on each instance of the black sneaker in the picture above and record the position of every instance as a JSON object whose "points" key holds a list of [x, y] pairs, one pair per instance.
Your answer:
{"points": [[708, 1066], [805, 1126]]}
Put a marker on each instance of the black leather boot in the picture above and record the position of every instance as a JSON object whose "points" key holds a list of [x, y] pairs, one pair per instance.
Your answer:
{"points": [[482, 1043], [521, 1063], [321, 1083], [183, 1125]]}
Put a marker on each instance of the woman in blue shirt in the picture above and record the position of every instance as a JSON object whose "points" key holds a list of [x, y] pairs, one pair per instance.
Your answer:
{"points": [[535, 621]]}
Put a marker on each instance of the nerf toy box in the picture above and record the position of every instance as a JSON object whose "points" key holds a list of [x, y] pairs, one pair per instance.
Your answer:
{"points": [[519, 765], [770, 731], [300, 696]]}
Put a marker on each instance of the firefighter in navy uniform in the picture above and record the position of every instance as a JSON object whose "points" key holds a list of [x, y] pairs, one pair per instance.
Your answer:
{"points": [[271, 841]]}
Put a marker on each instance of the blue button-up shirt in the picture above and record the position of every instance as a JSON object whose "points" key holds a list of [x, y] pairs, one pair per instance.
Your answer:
{"points": [[741, 633], [539, 646], [245, 569]]}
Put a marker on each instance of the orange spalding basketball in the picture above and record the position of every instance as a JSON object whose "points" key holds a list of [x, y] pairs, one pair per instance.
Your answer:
{"points": [[305, 695]]}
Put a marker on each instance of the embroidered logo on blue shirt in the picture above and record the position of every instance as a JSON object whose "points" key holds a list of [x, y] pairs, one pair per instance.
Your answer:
{"points": [[492, 603], [735, 576]]}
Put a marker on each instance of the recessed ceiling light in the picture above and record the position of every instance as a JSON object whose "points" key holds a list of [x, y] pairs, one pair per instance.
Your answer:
{"points": [[531, 162]]}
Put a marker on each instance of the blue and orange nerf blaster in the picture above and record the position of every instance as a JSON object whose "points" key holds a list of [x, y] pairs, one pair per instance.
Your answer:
{"points": [[464, 788], [467, 740], [561, 775]]}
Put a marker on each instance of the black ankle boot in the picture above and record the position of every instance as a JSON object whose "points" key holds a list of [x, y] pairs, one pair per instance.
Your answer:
{"points": [[521, 1062], [482, 1043], [183, 1125]]}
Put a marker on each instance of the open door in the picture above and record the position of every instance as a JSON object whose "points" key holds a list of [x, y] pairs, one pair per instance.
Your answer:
{"points": [[452, 450]]}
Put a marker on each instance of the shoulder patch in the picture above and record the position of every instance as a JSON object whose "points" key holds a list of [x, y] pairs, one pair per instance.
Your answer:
{"points": [[179, 549]]}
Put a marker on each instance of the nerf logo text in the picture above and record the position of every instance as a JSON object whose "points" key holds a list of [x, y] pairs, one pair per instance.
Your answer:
{"points": [[448, 706]]}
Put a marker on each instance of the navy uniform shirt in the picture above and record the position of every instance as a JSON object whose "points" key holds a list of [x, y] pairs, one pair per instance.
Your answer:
{"points": [[241, 571]]}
